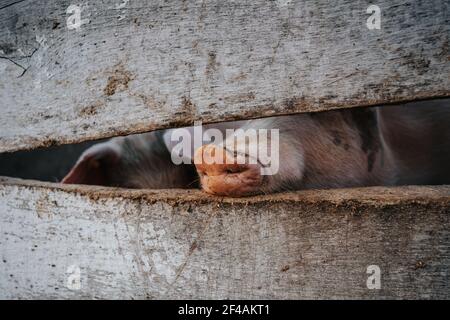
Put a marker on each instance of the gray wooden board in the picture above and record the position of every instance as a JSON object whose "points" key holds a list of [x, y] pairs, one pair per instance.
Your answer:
{"points": [[135, 66], [146, 244]]}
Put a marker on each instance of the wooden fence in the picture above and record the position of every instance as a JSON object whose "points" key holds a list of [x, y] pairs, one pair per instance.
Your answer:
{"points": [[71, 72]]}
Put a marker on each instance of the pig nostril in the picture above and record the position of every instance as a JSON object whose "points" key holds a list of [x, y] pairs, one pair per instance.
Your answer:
{"points": [[233, 170]]}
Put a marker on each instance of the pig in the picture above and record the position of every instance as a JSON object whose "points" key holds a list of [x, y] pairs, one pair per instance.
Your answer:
{"points": [[356, 147], [135, 161]]}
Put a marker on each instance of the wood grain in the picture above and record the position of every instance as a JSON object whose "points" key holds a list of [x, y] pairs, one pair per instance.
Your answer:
{"points": [[135, 66], [147, 244]]}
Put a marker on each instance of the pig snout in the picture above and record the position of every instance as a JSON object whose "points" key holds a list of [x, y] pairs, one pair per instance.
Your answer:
{"points": [[221, 174]]}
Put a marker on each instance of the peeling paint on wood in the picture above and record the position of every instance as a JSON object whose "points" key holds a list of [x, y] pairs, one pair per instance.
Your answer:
{"points": [[154, 64], [147, 244]]}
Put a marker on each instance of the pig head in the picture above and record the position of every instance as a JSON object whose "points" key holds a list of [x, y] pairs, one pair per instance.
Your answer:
{"points": [[390, 145]]}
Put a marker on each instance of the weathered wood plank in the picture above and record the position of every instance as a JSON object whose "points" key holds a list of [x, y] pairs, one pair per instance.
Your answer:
{"points": [[185, 244], [135, 66]]}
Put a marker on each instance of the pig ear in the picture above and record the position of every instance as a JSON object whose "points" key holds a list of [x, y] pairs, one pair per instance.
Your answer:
{"points": [[95, 166]]}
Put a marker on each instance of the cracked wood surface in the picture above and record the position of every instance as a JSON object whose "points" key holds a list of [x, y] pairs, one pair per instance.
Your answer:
{"points": [[141, 65], [147, 244]]}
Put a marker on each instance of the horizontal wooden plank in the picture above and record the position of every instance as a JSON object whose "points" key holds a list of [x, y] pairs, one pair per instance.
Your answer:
{"points": [[135, 66], [185, 244]]}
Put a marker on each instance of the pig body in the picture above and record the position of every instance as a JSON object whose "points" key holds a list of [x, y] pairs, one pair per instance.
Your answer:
{"points": [[392, 145]]}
